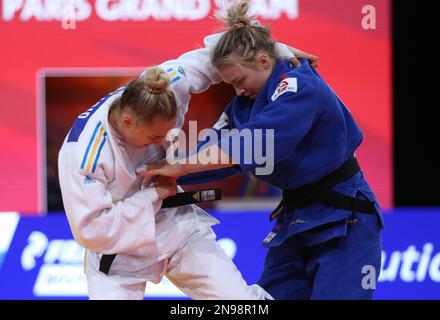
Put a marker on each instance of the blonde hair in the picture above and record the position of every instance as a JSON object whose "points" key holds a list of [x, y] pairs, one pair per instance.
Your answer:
{"points": [[244, 39], [150, 96]]}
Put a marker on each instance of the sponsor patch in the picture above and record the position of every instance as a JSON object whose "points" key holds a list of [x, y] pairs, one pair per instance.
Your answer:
{"points": [[287, 85]]}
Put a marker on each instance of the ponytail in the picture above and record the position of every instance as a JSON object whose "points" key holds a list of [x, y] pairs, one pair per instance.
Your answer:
{"points": [[244, 39]]}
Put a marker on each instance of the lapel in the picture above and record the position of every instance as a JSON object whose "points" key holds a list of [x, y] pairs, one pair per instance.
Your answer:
{"points": [[246, 109]]}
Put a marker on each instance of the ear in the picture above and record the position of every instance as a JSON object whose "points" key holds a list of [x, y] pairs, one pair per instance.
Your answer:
{"points": [[127, 120], [263, 60]]}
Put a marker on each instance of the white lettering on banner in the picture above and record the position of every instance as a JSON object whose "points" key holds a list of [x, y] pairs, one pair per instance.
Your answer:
{"points": [[44, 10], [111, 10], [37, 244], [9, 8], [62, 271], [267, 9], [56, 280], [64, 251], [139, 10], [272, 10], [414, 265], [8, 224]]}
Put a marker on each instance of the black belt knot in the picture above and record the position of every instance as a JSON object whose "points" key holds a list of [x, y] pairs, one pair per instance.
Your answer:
{"points": [[321, 192]]}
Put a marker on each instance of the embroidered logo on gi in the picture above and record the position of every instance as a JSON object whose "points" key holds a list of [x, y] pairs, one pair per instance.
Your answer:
{"points": [[88, 180], [222, 122], [196, 196], [181, 70], [269, 237], [287, 85], [299, 221], [208, 195]]}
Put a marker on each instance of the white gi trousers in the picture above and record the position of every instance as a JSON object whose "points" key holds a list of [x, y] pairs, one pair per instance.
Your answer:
{"points": [[200, 268]]}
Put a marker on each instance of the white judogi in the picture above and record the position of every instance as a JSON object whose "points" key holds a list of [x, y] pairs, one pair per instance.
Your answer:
{"points": [[111, 209]]}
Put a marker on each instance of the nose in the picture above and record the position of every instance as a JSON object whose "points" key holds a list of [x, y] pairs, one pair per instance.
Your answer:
{"points": [[239, 91]]}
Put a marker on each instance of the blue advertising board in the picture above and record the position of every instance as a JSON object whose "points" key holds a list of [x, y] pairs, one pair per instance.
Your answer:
{"points": [[40, 260]]}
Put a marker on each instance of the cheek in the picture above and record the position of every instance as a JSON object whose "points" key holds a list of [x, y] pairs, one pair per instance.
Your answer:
{"points": [[253, 85]]}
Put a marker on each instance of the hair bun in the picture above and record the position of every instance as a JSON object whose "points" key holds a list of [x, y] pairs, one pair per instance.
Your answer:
{"points": [[236, 15], [156, 80]]}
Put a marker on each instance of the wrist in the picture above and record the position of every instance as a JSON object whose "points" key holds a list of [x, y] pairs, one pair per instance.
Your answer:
{"points": [[183, 169]]}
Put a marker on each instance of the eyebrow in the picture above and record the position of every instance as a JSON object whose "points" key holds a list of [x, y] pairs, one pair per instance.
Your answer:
{"points": [[236, 78], [156, 137]]}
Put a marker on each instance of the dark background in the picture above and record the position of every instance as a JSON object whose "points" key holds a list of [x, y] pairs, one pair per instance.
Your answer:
{"points": [[416, 89]]}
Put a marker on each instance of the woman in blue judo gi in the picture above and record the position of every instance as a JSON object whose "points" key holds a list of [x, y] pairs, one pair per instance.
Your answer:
{"points": [[326, 243]]}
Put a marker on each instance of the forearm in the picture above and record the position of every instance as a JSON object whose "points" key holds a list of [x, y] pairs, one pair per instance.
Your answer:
{"points": [[211, 158]]}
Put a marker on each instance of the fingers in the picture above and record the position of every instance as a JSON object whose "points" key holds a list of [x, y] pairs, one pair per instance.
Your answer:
{"points": [[164, 180], [315, 63], [295, 62], [313, 60], [150, 173], [155, 166], [173, 191]]}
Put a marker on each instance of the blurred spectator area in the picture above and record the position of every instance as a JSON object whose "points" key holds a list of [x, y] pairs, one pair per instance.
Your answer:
{"points": [[65, 97]]}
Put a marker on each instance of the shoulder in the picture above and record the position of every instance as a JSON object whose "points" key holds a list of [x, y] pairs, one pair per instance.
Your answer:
{"points": [[176, 72], [179, 83], [86, 123], [296, 82], [88, 151], [88, 138]]}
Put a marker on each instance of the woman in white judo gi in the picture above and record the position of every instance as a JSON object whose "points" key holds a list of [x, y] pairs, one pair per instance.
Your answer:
{"points": [[112, 210]]}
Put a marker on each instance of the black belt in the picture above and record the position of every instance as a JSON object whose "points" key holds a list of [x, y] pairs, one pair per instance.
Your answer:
{"points": [[321, 192], [180, 199]]}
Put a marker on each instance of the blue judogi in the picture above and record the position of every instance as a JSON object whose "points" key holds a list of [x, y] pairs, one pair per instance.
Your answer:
{"points": [[319, 251]]}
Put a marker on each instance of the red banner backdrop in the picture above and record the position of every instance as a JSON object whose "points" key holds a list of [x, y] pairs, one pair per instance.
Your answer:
{"points": [[352, 40]]}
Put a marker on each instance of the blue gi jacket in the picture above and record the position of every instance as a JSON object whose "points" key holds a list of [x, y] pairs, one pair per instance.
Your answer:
{"points": [[314, 134]]}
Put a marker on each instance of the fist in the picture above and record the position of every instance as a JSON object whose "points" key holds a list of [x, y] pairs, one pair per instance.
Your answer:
{"points": [[164, 186]]}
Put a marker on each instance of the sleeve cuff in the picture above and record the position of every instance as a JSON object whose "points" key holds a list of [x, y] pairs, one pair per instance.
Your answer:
{"points": [[154, 198], [284, 51]]}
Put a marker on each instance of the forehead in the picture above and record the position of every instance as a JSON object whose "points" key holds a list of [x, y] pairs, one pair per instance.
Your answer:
{"points": [[158, 125], [231, 71]]}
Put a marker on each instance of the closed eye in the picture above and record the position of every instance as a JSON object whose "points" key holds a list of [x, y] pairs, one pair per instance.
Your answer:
{"points": [[155, 138]]}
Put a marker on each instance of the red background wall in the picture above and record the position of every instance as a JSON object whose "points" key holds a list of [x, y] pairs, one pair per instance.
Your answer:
{"points": [[356, 63]]}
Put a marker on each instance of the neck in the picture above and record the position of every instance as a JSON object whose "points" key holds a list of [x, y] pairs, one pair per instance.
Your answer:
{"points": [[114, 116]]}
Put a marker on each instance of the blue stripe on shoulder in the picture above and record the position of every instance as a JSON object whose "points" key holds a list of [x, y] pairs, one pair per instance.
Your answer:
{"points": [[175, 80], [81, 121]]}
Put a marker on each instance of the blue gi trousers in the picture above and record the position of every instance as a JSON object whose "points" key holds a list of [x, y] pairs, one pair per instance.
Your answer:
{"points": [[344, 266]]}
